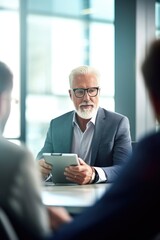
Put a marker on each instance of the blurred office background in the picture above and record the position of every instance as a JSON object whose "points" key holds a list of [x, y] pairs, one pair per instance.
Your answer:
{"points": [[43, 40]]}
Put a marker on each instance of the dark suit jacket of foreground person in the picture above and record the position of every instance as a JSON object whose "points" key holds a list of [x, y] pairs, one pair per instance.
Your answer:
{"points": [[131, 208], [111, 144]]}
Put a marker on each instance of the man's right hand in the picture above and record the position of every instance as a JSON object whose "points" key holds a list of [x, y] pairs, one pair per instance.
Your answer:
{"points": [[45, 168]]}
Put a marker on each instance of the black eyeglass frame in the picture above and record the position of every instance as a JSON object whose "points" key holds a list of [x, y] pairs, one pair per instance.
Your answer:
{"points": [[85, 90]]}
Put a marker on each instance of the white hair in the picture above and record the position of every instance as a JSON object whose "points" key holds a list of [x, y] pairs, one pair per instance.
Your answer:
{"points": [[81, 70]]}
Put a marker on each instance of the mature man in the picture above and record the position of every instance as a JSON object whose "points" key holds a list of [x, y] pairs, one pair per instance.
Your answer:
{"points": [[131, 207], [100, 138], [19, 179]]}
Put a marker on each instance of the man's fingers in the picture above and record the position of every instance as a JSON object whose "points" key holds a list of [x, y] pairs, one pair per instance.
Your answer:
{"points": [[43, 164]]}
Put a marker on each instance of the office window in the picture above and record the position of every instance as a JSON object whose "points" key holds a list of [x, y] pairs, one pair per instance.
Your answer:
{"points": [[54, 37], [61, 36], [157, 18], [10, 4], [9, 53]]}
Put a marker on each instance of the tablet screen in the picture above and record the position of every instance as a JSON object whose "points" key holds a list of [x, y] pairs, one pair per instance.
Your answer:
{"points": [[60, 161]]}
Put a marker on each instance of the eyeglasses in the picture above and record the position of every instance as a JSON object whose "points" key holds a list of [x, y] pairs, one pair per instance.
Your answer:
{"points": [[80, 92]]}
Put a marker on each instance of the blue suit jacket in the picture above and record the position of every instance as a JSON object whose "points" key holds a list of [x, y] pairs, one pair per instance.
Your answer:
{"points": [[130, 209], [111, 144]]}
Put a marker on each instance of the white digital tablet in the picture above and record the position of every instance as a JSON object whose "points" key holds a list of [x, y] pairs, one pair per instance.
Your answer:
{"points": [[59, 161]]}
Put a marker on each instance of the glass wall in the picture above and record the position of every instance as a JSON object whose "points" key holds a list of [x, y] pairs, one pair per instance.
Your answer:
{"points": [[42, 42], [61, 36], [157, 18], [10, 54]]}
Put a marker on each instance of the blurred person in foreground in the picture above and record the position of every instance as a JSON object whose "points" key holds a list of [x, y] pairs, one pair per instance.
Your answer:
{"points": [[130, 209], [100, 138], [19, 177]]}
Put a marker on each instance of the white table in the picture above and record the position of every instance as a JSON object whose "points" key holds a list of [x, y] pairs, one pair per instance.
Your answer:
{"points": [[73, 197]]}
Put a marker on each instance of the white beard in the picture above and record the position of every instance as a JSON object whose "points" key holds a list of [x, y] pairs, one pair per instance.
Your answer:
{"points": [[86, 114]]}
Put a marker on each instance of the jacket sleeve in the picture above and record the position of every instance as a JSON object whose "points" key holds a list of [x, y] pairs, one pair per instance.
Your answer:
{"points": [[121, 151]]}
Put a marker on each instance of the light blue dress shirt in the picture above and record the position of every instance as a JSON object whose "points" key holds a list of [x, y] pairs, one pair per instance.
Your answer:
{"points": [[81, 144]]}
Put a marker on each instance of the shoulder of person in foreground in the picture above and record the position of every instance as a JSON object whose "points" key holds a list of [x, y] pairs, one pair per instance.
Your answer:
{"points": [[23, 192]]}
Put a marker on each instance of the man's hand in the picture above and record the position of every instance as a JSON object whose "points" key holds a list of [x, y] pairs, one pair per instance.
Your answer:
{"points": [[81, 174], [44, 167]]}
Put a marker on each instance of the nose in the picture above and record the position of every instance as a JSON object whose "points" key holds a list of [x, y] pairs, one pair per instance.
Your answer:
{"points": [[86, 96]]}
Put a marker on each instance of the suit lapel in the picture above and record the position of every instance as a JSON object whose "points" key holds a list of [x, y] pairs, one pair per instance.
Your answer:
{"points": [[99, 126], [64, 134]]}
